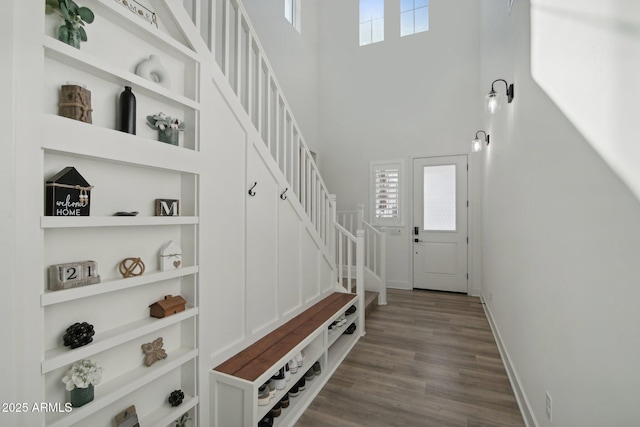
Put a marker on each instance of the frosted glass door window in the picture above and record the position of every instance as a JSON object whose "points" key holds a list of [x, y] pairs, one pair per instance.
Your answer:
{"points": [[440, 198]]}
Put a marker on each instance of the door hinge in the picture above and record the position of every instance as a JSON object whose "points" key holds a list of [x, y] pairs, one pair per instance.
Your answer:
{"points": [[467, 276], [467, 166], [467, 203], [467, 240]]}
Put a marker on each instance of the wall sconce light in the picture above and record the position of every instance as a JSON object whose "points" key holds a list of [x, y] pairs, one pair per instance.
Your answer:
{"points": [[493, 102], [476, 144]]}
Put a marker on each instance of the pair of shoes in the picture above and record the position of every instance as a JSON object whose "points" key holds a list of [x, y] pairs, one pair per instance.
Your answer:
{"points": [[302, 384], [351, 329], [276, 410], [299, 359], [333, 326], [309, 375], [316, 368], [287, 373], [279, 379], [263, 395], [295, 390], [350, 310], [341, 320], [267, 421], [293, 366], [284, 402]]}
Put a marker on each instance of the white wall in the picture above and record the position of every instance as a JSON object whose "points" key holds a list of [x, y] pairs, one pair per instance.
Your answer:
{"points": [[410, 96], [560, 227], [293, 56]]}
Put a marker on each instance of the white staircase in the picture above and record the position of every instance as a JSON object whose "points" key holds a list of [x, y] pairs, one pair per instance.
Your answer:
{"points": [[374, 244]]}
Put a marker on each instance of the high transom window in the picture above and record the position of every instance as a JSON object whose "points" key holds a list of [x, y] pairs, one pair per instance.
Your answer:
{"points": [[371, 21], [414, 16]]}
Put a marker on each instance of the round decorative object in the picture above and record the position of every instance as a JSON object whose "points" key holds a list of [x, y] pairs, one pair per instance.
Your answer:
{"points": [[176, 397], [130, 267], [153, 70], [78, 334]]}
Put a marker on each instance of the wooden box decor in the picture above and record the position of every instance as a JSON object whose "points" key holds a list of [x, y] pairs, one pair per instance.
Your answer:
{"points": [[75, 102], [167, 306], [67, 194], [73, 275], [170, 257]]}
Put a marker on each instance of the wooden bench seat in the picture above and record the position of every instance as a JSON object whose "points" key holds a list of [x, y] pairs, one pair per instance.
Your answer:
{"points": [[256, 359]]}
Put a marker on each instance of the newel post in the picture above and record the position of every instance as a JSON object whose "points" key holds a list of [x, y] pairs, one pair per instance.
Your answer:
{"points": [[360, 275]]}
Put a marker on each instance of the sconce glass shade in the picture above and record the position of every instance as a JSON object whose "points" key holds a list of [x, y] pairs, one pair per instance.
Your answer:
{"points": [[476, 145], [493, 102]]}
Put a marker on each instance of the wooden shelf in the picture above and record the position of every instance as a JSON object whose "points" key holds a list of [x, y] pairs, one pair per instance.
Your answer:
{"points": [[63, 356], [56, 297], [87, 140], [76, 58], [114, 221], [122, 385]]}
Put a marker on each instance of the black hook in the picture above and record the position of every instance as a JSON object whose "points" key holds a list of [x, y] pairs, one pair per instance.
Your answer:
{"points": [[283, 196], [251, 192]]}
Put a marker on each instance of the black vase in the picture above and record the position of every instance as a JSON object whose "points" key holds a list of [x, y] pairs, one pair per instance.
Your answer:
{"points": [[127, 112]]}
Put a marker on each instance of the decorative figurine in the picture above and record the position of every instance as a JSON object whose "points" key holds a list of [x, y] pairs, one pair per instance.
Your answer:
{"points": [[68, 194], [167, 306], [176, 397], [170, 257], [130, 267], [153, 70], [78, 334], [153, 352]]}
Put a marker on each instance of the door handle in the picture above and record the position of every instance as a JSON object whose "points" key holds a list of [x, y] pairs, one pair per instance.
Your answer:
{"points": [[417, 240], [416, 231]]}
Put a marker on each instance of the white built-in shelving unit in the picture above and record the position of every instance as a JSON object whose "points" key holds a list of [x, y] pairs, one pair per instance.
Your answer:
{"points": [[128, 173]]}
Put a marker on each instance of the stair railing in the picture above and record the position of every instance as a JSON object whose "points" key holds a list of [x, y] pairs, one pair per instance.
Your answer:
{"points": [[242, 59], [375, 248]]}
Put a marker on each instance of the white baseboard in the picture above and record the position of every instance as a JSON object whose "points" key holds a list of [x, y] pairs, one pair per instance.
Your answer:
{"points": [[521, 398], [398, 285]]}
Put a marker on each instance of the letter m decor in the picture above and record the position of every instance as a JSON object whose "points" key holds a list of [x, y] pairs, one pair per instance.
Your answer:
{"points": [[167, 207]]}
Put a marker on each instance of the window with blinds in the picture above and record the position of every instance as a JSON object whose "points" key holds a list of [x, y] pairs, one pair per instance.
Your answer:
{"points": [[386, 194]]}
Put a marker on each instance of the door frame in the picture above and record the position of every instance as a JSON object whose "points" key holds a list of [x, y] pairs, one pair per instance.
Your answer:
{"points": [[473, 212]]}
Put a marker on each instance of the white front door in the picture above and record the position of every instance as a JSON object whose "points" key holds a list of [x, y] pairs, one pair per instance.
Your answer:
{"points": [[439, 230]]}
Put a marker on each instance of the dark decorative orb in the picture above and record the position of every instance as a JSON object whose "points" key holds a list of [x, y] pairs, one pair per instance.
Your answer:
{"points": [[78, 334], [176, 397]]}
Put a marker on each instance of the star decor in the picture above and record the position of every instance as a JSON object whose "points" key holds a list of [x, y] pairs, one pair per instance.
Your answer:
{"points": [[153, 352]]}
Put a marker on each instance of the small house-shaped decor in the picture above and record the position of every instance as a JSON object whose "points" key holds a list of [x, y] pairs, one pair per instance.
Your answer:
{"points": [[67, 194], [167, 306], [170, 257]]}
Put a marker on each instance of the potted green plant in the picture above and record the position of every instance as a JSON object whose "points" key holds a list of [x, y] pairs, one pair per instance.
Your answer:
{"points": [[75, 17], [168, 127], [80, 379]]}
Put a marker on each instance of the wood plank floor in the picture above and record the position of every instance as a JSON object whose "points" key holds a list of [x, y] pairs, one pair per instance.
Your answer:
{"points": [[427, 359]]}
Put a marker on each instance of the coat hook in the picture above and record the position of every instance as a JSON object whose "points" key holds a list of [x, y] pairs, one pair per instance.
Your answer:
{"points": [[283, 196], [251, 192]]}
